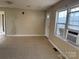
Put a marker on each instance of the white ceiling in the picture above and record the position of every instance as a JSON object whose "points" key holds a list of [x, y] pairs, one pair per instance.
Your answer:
{"points": [[24, 4]]}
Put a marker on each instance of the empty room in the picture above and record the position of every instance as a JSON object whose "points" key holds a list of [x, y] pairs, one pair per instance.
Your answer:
{"points": [[39, 29]]}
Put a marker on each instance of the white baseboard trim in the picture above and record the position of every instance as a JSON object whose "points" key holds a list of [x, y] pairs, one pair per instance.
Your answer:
{"points": [[58, 49], [25, 35]]}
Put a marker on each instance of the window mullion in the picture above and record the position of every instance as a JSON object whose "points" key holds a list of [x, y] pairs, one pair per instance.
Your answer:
{"points": [[67, 21]]}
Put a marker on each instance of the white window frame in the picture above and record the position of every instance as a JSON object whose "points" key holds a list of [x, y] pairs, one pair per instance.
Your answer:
{"points": [[56, 24], [67, 19]]}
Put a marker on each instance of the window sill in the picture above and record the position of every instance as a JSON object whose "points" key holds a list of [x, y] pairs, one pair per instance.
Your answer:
{"points": [[68, 42]]}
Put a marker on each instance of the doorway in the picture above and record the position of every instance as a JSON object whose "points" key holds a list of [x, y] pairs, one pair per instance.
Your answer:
{"points": [[2, 23]]}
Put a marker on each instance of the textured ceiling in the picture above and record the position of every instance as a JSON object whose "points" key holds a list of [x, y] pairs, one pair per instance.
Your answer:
{"points": [[28, 4]]}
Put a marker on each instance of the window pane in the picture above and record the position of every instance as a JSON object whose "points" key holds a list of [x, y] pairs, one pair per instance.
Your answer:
{"points": [[61, 29], [62, 17], [75, 9], [73, 27], [74, 21], [61, 21]]}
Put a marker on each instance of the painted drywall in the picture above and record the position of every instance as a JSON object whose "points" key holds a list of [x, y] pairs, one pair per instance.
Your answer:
{"points": [[10, 15], [0, 24], [30, 23], [69, 51], [47, 21]]}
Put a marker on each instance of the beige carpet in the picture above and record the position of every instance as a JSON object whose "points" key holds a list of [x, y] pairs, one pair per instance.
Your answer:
{"points": [[26, 48]]}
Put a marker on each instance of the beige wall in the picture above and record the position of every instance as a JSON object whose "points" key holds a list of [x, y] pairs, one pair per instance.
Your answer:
{"points": [[10, 15], [31, 23], [47, 25], [68, 50], [0, 24]]}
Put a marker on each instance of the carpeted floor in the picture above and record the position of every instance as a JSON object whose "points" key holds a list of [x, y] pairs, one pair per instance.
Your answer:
{"points": [[26, 48]]}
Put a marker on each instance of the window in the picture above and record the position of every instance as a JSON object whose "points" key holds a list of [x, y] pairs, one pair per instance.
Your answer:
{"points": [[61, 21], [74, 19], [67, 24]]}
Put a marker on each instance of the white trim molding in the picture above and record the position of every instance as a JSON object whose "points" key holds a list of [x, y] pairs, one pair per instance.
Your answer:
{"points": [[58, 49], [25, 35]]}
